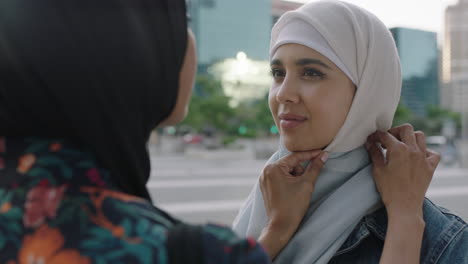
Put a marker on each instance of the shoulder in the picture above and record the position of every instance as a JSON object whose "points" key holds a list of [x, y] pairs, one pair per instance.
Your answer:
{"points": [[445, 237], [212, 244]]}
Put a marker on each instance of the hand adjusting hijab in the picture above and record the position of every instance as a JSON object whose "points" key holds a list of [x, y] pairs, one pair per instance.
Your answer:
{"points": [[100, 73], [363, 48]]}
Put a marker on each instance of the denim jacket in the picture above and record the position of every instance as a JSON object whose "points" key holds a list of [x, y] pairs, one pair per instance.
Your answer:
{"points": [[445, 238]]}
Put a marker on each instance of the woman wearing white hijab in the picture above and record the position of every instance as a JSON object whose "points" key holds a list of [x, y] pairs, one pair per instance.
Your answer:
{"points": [[337, 79]]}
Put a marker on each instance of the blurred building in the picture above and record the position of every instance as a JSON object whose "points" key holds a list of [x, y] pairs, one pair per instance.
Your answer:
{"points": [[455, 68], [419, 57], [224, 28], [279, 7], [455, 58]]}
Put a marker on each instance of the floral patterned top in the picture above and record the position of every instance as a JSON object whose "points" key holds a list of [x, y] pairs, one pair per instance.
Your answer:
{"points": [[58, 206]]}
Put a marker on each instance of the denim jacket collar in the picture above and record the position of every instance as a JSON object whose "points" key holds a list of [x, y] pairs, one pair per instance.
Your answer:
{"points": [[374, 223], [441, 229]]}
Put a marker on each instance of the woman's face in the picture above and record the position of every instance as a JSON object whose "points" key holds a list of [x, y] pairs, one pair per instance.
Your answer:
{"points": [[310, 97], [186, 81]]}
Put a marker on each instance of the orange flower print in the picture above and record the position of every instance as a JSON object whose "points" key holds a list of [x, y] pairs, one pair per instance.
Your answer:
{"points": [[5, 208], [45, 246], [54, 147], [26, 162], [42, 202]]}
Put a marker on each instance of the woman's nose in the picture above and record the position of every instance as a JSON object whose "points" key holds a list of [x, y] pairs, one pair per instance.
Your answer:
{"points": [[287, 92]]}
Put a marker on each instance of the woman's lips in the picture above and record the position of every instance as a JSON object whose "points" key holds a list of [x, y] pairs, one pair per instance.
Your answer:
{"points": [[288, 121], [288, 124]]}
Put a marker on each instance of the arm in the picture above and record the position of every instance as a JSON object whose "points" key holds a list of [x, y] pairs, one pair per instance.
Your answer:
{"points": [[286, 189], [403, 241], [273, 240], [286, 195], [402, 179]]}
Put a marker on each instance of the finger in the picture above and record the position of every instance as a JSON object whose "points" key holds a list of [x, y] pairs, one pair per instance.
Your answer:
{"points": [[433, 158], [387, 140], [376, 155], [405, 133], [298, 170], [294, 159], [374, 138], [313, 170], [421, 141]]}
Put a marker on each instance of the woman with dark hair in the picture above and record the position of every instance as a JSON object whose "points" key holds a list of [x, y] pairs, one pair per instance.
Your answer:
{"points": [[82, 85]]}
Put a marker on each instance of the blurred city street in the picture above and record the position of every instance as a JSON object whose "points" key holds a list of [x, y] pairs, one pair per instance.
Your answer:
{"points": [[201, 185]]}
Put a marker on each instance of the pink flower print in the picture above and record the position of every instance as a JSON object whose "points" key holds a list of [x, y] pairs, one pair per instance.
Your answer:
{"points": [[2, 145], [54, 147], [227, 250], [94, 176], [252, 243], [2, 163], [41, 203], [44, 183]]}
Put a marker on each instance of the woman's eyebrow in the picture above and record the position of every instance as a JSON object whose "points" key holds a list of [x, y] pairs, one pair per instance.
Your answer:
{"points": [[306, 61], [276, 62]]}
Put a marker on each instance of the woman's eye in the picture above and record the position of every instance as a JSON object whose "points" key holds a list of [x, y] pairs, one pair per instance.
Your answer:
{"points": [[277, 73], [313, 73]]}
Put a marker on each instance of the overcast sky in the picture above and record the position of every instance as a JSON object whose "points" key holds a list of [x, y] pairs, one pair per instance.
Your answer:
{"points": [[420, 14]]}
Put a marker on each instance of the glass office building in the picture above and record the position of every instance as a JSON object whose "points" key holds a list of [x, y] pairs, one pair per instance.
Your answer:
{"points": [[419, 57], [224, 28]]}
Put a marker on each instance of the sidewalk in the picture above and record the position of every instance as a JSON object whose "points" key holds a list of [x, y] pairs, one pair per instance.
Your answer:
{"points": [[244, 149]]}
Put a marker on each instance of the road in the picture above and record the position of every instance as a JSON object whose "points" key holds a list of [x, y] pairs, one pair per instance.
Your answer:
{"points": [[211, 186]]}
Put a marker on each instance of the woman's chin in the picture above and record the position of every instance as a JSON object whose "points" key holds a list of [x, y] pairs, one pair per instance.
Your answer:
{"points": [[294, 145]]}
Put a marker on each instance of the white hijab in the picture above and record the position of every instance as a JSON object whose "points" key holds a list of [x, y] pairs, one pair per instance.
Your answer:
{"points": [[363, 48]]}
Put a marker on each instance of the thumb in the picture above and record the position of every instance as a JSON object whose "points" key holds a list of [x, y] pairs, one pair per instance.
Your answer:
{"points": [[313, 170], [375, 154]]}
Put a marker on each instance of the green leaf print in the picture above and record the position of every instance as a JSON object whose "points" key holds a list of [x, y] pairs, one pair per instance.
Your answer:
{"points": [[38, 147], [51, 160], [100, 233], [142, 226], [94, 244], [127, 225], [39, 172], [5, 196], [15, 213], [2, 241], [85, 164]]}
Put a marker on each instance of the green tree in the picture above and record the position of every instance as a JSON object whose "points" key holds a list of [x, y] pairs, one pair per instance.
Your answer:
{"points": [[209, 106], [431, 124], [402, 115], [438, 116]]}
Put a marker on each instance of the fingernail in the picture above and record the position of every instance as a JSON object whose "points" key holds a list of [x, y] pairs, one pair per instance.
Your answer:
{"points": [[324, 157]]}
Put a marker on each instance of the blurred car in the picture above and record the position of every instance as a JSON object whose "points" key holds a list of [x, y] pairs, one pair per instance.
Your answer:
{"points": [[192, 139], [447, 150]]}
